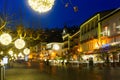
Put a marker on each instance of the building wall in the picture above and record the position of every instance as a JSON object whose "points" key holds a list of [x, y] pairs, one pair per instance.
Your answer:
{"points": [[50, 48], [99, 31], [111, 26], [89, 34]]}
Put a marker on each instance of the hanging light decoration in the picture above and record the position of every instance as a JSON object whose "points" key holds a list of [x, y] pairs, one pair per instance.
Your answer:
{"points": [[26, 51], [41, 5], [10, 53], [5, 39], [20, 55], [19, 43], [67, 4], [75, 8]]}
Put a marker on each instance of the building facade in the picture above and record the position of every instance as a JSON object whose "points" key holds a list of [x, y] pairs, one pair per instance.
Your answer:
{"points": [[110, 25], [99, 34]]}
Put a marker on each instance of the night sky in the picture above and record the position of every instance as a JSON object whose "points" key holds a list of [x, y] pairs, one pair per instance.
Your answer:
{"points": [[19, 12]]}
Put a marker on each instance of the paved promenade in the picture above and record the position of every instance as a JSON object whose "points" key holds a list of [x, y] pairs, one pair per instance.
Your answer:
{"points": [[21, 72], [38, 71]]}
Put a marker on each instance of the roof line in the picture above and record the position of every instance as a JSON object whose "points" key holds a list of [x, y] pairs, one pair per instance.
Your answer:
{"points": [[111, 13]]}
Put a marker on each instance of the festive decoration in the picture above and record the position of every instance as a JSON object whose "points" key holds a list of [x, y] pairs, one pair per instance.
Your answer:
{"points": [[41, 5]]}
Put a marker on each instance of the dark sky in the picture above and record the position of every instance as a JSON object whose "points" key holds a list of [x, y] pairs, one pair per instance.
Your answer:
{"points": [[18, 11]]}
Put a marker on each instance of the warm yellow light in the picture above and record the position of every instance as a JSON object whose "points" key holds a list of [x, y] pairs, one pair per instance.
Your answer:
{"points": [[1, 52], [19, 43], [53, 55], [41, 56], [56, 47], [97, 46], [20, 55], [15, 55], [26, 51], [84, 57], [10, 53], [30, 56], [41, 5], [79, 49], [5, 39], [75, 57]]}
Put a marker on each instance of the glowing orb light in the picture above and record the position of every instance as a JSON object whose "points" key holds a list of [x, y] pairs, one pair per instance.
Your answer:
{"points": [[56, 47], [41, 6], [1, 52], [15, 56], [20, 55], [19, 43], [5, 39], [26, 51], [10, 53]]}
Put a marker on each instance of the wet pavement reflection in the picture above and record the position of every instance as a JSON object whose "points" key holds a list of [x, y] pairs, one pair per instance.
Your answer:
{"points": [[76, 73]]}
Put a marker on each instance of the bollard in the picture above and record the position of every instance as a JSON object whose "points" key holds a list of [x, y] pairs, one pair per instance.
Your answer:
{"points": [[2, 73]]}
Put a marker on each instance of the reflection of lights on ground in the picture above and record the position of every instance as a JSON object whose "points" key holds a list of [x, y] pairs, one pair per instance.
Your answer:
{"points": [[29, 64], [41, 5]]}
